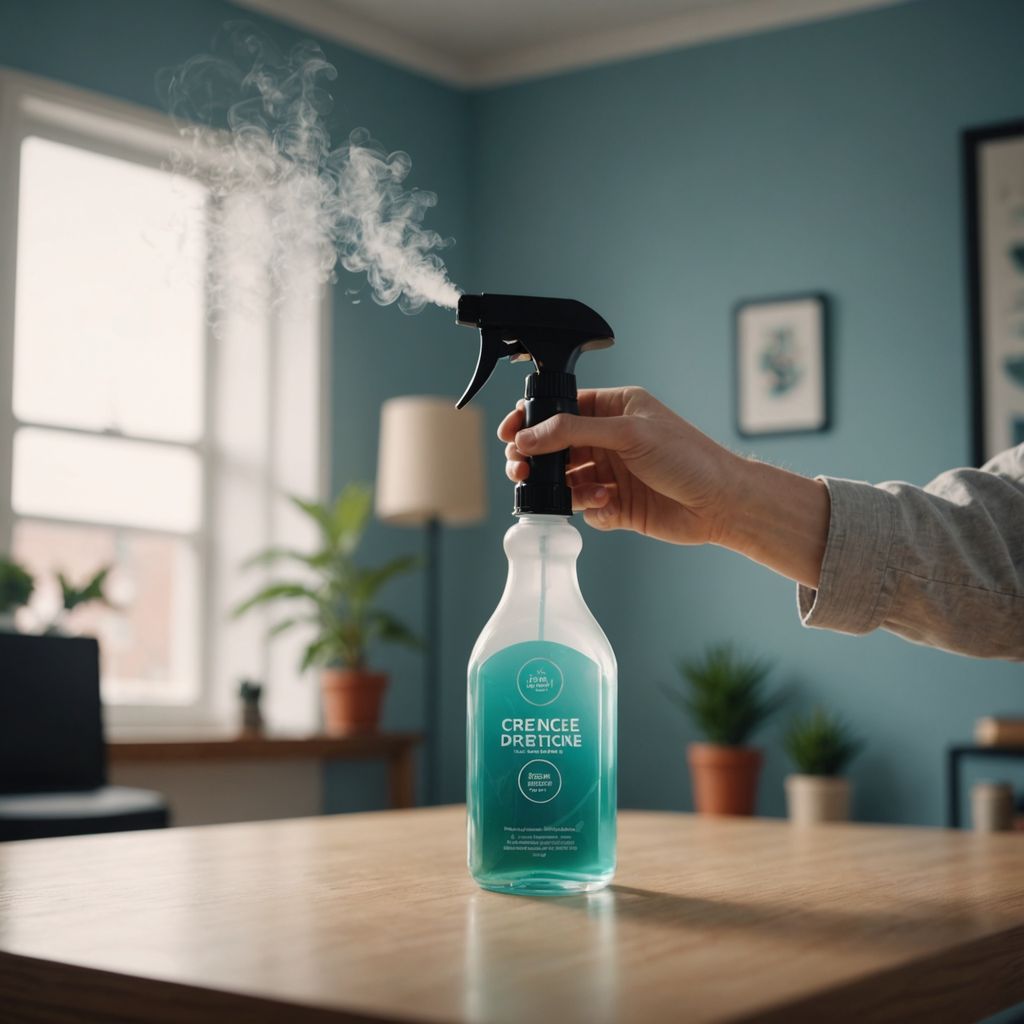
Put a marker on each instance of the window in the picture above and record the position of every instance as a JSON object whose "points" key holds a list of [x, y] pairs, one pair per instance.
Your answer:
{"points": [[139, 434], [109, 342]]}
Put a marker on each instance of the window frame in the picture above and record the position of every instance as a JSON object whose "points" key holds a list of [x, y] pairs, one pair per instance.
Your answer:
{"points": [[32, 106]]}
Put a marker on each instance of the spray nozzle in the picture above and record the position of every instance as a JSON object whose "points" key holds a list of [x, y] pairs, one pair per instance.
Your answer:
{"points": [[552, 333]]}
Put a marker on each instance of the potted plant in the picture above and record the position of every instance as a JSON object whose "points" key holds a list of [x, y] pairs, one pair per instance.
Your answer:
{"points": [[249, 694], [73, 596], [338, 597], [725, 695], [821, 746], [16, 586]]}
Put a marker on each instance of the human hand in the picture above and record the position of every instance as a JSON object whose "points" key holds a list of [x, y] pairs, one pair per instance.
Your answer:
{"points": [[634, 465]]}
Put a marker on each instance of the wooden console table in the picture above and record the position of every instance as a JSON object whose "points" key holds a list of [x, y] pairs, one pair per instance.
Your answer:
{"points": [[397, 749], [372, 917]]}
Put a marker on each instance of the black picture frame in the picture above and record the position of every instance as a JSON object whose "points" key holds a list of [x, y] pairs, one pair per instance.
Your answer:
{"points": [[822, 386], [981, 335]]}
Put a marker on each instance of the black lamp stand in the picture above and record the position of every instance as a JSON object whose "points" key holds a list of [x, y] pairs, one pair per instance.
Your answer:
{"points": [[432, 670]]}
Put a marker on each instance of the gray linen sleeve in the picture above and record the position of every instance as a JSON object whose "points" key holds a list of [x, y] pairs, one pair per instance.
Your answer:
{"points": [[941, 565]]}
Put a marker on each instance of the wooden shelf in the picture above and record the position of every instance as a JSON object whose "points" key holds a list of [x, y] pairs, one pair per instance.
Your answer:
{"points": [[396, 749], [250, 748]]}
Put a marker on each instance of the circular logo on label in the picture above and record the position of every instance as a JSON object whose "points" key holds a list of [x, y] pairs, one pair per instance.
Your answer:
{"points": [[539, 681], [539, 781]]}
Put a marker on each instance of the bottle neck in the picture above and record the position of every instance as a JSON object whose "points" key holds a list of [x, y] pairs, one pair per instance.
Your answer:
{"points": [[536, 535], [542, 552], [543, 519]]}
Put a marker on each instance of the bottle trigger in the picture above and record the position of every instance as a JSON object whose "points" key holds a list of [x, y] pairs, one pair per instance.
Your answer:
{"points": [[492, 348]]}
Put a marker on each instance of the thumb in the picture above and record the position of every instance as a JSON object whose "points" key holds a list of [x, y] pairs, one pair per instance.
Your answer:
{"points": [[615, 433]]}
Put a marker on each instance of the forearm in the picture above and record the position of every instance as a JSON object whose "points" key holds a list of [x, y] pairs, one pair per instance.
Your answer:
{"points": [[941, 565], [777, 518]]}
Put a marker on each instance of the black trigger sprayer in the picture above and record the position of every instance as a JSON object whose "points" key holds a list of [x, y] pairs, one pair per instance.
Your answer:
{"points": [[552, 333]]}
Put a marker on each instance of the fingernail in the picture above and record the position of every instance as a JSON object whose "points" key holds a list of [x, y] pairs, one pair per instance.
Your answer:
{"points": [[524, 439], [601, 493]]}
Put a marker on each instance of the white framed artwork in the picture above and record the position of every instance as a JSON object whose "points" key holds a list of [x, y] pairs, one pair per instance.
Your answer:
{"points": [[781, 365]]}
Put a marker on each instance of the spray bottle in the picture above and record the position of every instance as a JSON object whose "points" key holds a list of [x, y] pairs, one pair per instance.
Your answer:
{"points": [[541, 786]]}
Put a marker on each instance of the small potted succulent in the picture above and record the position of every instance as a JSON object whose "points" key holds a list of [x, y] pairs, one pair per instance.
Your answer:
{"points": [[250, 693], [16, 586], [338, 598], [821, 745], [726, 696]]}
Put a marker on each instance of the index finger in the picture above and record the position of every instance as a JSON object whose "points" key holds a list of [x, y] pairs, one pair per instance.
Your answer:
{"points": [[512, 423], [587, 399]]}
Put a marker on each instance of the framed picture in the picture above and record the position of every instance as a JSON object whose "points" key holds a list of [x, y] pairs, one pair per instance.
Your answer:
{"points": [[994, 199], [781, 365]]}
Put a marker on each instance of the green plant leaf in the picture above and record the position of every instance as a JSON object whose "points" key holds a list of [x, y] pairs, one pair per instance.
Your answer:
{"points": [[369, 581], [393, 630], [92, 590], [67, 591], [285, 624], [317, 512], [315, 653], [820, 743], [16, 586], [316, 560], [274, 592], [349, 516]]}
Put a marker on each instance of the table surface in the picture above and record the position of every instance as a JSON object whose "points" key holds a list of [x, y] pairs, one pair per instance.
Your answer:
{"points": [[372, 917]]}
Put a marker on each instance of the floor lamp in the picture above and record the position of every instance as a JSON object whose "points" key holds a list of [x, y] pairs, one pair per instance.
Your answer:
{"points": [[430, 473]]}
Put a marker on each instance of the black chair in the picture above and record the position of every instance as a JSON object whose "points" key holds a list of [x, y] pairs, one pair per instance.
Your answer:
{"points": [[53, 758]]}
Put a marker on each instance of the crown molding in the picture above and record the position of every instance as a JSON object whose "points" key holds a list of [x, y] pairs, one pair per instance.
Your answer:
{"points": [[689, 28], [328, 21]]}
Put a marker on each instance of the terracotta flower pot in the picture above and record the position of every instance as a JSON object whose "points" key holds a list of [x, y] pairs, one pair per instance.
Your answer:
{"points": [[813, 799], [352, 700], [724, 778]]}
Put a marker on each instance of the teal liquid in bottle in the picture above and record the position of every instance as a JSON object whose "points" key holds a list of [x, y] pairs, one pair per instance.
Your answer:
{"points": [[542, 726]]}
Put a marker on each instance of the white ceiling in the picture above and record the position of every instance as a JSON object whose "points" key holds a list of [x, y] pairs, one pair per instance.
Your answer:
{"points": [[486, 42]]}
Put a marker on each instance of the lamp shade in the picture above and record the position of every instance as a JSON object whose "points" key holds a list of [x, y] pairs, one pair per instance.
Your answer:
{"points": [[430, 464]]}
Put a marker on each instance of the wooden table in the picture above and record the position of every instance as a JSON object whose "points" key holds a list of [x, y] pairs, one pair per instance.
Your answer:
{"points": [[372, 917], [397, 749]]}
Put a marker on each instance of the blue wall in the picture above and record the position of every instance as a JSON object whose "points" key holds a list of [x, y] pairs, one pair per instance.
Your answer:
{"points": [[663, 190]]}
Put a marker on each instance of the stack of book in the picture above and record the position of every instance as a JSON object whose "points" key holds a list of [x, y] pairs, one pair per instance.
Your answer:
{"points": [[1003, 731], [999, 731]]}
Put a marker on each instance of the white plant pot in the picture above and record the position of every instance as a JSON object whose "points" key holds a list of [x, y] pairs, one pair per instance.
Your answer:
{"points": [[813, 799]]}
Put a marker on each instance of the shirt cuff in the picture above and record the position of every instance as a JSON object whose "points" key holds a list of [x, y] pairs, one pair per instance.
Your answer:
{"points": [[851, 595]]}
